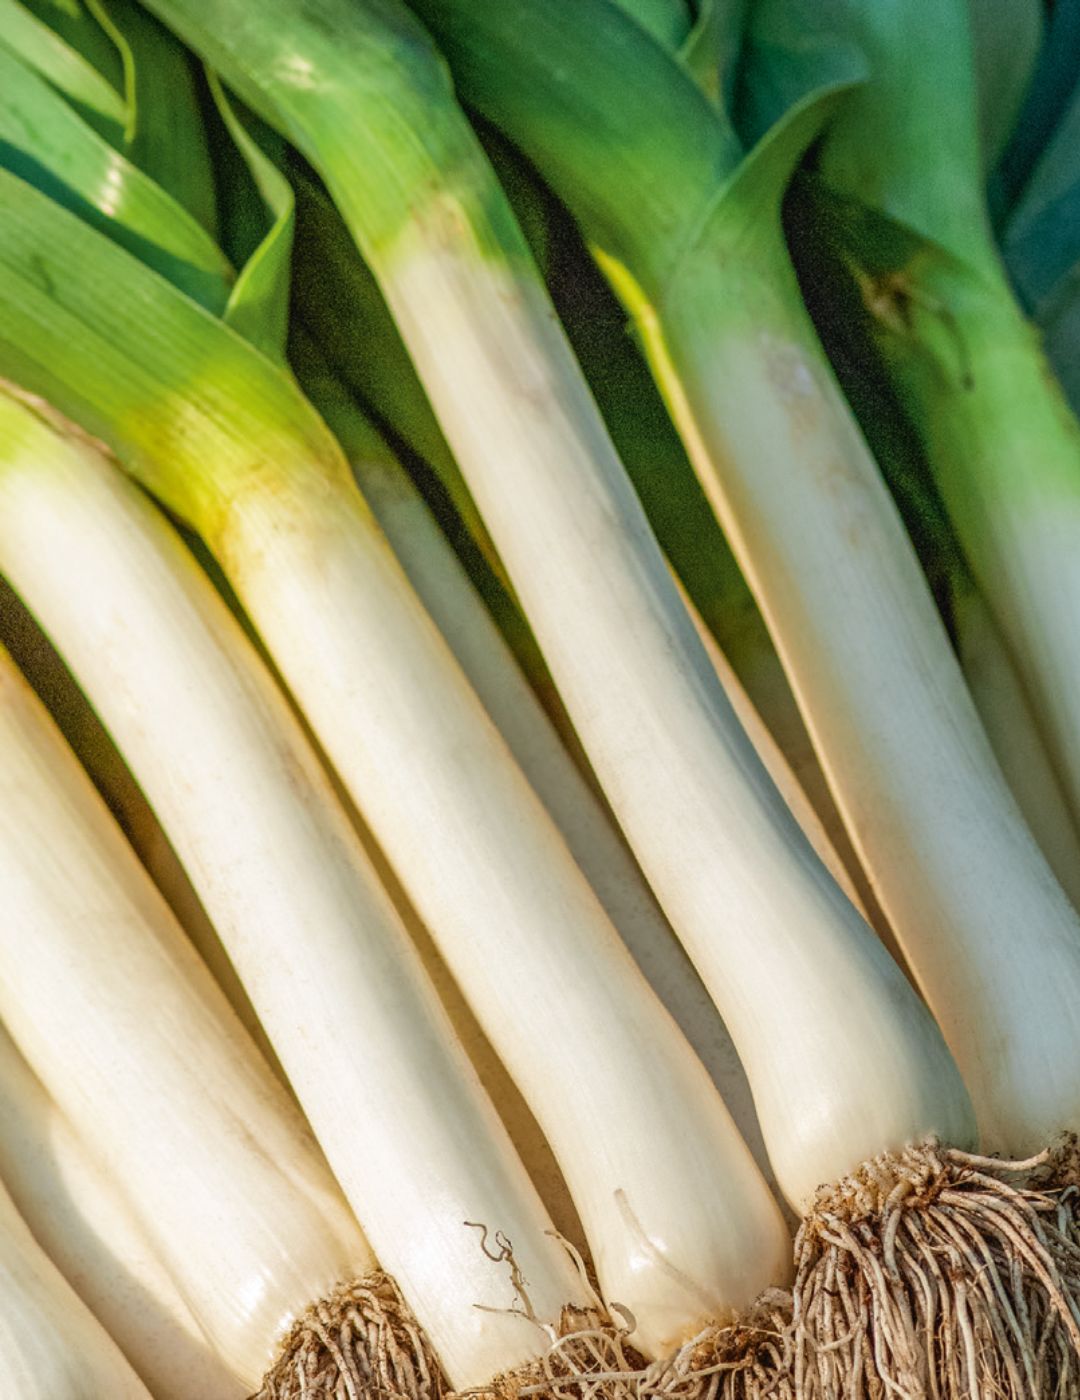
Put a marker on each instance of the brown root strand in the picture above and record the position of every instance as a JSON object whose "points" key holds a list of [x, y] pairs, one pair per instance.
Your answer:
{"points": [[935, 1274], [592, 1359], [360, 1343]]}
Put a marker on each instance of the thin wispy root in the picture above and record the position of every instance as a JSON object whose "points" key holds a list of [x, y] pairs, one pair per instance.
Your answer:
{"points": [[360, 1343], [939, 1275], [591, 1359], [588, 1355]]}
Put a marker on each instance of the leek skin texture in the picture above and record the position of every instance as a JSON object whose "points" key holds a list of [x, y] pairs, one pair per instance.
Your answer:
{"points": [[37, 659], [85, 1226], [1005, 449], [1006, 35], [74, 24], [444, 588], [690, 537], [290, 892], [213, 1160], [51, 1346], [818, 538], [339, 300], [372, 110], [989, 668], [164, 132], [1010, 723], [1003, 446]]}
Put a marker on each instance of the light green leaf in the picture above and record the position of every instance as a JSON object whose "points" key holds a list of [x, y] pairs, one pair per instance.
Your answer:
{"points": [[259, 304], [711, 50], [36, 44], [188, 405], [77, 26], [44, 140]]}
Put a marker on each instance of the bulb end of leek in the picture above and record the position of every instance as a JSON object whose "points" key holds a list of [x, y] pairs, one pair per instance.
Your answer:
{"points": [[933, 1270], [362, 1339]]}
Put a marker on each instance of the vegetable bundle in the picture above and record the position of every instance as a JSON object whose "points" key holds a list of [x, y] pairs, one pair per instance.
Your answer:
{"points": [[277, 283]]}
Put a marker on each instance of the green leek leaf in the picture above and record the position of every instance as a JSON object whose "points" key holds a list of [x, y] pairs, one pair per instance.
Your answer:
{"points": [[45, 141], [164, 132], [96, 100], [78, 26], [1042, 237], [1048, 95], [907, 143], [183, 400], [1007, 35], [259, 303], [711, 50]]}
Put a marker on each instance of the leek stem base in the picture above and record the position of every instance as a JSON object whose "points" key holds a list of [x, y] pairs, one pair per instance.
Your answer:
{"points": [[361, 1340], [936, 1273]]}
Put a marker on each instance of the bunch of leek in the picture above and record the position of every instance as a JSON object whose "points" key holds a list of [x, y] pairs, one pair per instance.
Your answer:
{"points": [[686, 1233], [980, 1289]]}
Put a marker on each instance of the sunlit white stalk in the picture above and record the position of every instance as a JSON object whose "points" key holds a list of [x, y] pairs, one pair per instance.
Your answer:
{"points": [[51, 1345], [952, 860], [443, 586], [85, 1226], [46, 672], [773, 758]]}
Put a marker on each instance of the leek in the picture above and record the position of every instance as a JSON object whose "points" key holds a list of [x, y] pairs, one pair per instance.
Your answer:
{"points": [[679, 513], [415, 1177], [94, 97], [83, 1223], [82, 730], [380, 124], [51, 1347], [212, 1159], [444, 588], [966, 364], [989, 669]]}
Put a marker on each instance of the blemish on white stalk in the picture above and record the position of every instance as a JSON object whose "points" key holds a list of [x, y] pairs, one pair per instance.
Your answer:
{"points": [[787, 369]]}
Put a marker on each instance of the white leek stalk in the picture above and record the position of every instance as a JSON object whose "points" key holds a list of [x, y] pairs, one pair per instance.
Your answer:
{"points": [[132, 1039], [82, 729], [955, 867], [85, 1226], [773, 759], [787, 957], [51, 1346], [444, 588], [809, 520]]}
